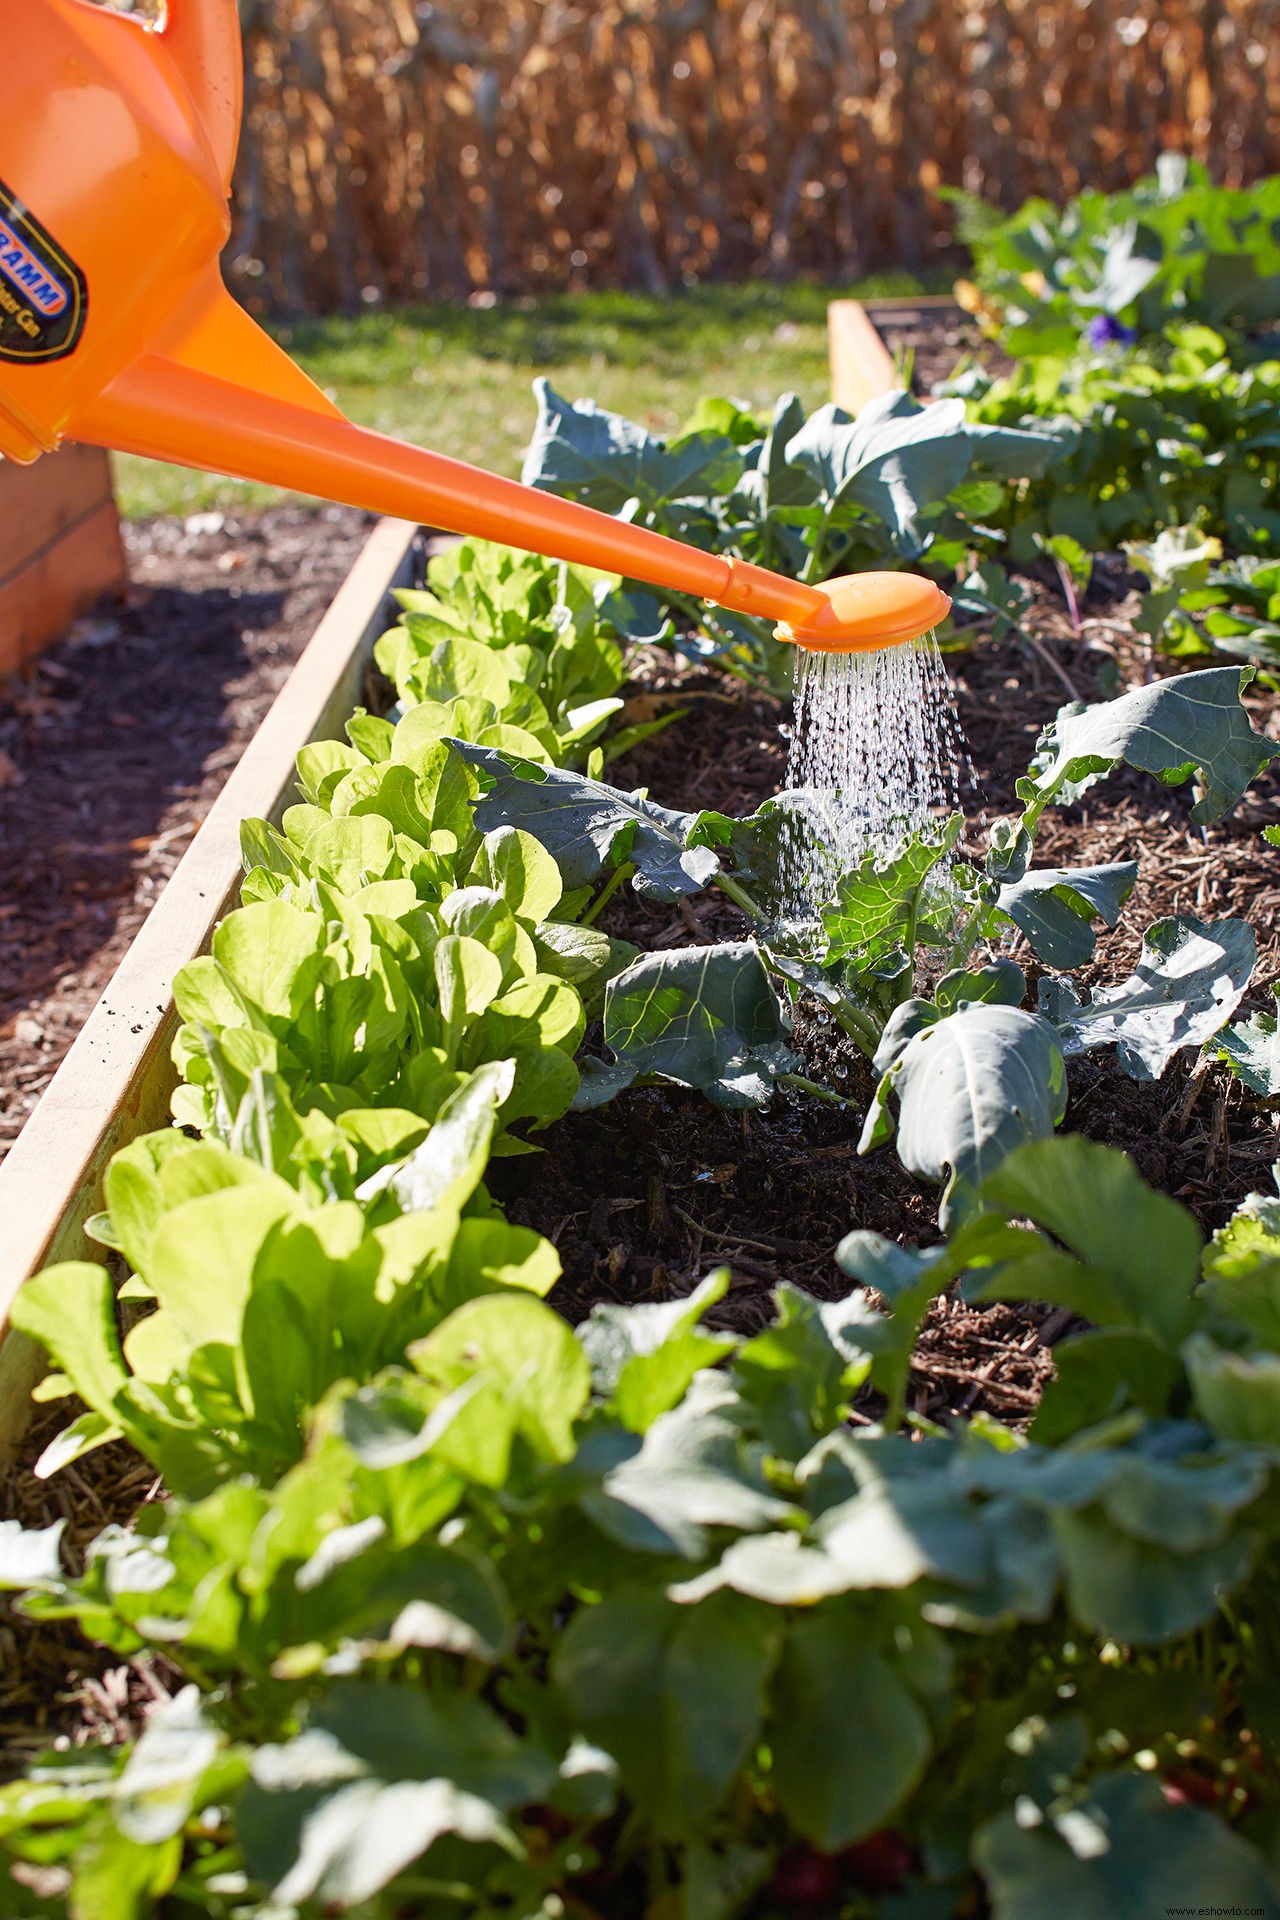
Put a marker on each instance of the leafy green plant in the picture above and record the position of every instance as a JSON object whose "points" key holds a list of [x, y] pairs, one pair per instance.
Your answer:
{"points": [[1194, 606], [1177, 563], [477, 1617], [971, 1071], [902, 484], [543, 1622], [512, 650], [387, 947], [1107, 271], [1167, 440], [261, 1296]]}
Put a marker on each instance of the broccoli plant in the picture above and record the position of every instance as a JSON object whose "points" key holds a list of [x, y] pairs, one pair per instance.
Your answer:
{"points": [[971, 1069], [901, 485]]}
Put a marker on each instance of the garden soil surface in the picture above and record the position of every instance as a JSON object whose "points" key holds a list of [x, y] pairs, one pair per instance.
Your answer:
{"points": [[113, 748]]}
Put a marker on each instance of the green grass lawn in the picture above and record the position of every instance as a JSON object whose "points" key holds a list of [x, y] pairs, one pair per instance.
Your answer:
{"points": [[457, 379]]}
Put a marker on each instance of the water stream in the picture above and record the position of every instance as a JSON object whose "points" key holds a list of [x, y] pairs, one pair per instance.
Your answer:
{"points": [[876, 754]]}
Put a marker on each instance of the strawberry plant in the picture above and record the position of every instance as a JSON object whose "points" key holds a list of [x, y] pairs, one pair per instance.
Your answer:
{"points": [[1166, 440], [1107, 271]]}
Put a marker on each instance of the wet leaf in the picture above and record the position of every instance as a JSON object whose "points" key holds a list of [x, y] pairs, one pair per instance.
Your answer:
{"points": [[1189, 979], [971, 1087], [1251, 1048], [704, 1017]]}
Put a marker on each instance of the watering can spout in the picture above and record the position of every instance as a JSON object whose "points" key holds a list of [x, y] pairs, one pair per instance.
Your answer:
{"points": [[116, 148]]}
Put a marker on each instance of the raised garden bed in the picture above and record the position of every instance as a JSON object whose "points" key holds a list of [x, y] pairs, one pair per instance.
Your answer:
{"points": [[116, 1078], [60, 548], [425, 1557]]}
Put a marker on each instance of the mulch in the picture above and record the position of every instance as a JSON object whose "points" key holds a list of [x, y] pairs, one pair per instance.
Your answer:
{"points": [[113, 747]]}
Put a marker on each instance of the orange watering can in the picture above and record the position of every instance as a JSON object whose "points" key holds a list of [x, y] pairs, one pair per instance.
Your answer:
{"points": [[117, 141]]}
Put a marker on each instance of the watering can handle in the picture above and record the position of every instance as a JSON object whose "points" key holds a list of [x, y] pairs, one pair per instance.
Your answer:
{"points": [[202, 38]]}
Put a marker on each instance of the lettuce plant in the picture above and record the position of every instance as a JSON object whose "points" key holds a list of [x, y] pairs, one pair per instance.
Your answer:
{"points": [[510, 649], [543, 1622]]}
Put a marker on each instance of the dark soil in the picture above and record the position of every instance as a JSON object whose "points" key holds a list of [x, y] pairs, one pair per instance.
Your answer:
{"points": [[114, 744], [933, 341]]}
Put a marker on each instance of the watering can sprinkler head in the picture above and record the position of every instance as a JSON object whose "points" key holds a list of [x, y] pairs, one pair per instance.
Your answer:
{"points": [[862, 612], [117, 141]]}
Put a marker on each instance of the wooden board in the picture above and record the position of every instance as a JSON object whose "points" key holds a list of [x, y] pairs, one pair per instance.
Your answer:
{"points": [[116, 1079], [60, 547], [861, 364]]}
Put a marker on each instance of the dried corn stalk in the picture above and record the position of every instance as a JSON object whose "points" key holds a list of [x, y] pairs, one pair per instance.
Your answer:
{"points": [[476, 146]]}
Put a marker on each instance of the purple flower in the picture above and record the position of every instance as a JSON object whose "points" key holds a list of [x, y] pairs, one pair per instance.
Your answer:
{"points": [[1104, 330]]}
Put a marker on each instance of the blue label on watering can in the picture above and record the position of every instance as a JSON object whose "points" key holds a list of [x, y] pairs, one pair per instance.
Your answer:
{"points": [[43, 297]]}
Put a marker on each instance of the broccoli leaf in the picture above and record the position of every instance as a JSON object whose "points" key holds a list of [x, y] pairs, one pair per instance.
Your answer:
{"points": [[1251, 1048], [1054, 905], [704, 1017], [1173, 728], [971, 1087], [587, 826], [1189, 979]]}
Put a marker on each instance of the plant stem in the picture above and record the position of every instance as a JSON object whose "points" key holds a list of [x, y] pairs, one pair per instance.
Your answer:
{"points": [[801, 1085], [606, 893], [739, 895], [1069, 595], [860, 1027], [965, 944], [1042, 652]]}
